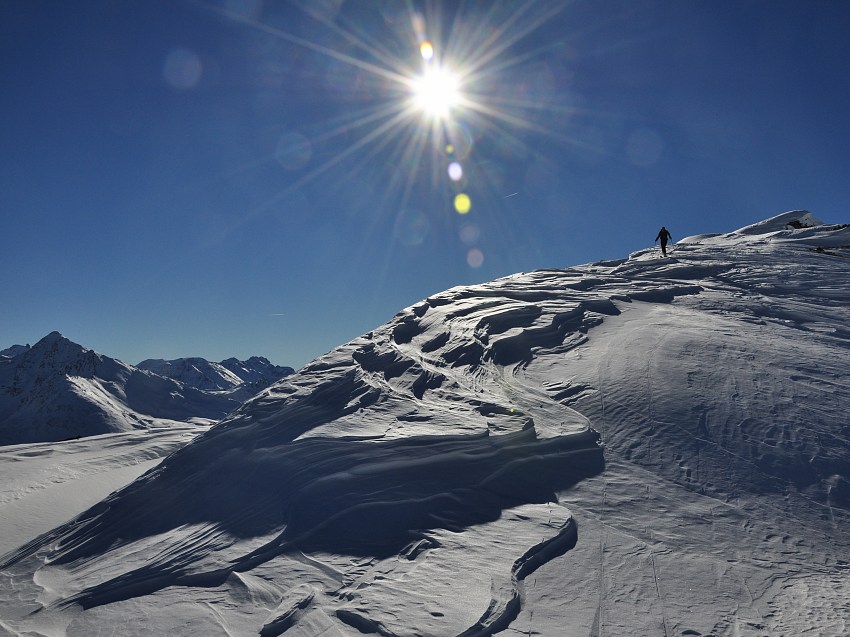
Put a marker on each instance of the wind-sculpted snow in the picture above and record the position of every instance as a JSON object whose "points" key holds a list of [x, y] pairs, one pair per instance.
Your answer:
{"points": [[444, 474]]}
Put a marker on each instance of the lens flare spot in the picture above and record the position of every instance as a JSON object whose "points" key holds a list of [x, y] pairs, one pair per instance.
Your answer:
{"points": [[644, 148], [325, 10], [450, 150], [245, 8], [411, 227], [469, 234], [426, 50], [463, 204], [183, 69], [455, 171], [294, 151], [460, 139], [475, 258], [417, 21]]}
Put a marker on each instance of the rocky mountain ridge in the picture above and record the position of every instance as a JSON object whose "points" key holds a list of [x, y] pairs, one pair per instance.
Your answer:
{"points": [[57, 389], [257, 372]]}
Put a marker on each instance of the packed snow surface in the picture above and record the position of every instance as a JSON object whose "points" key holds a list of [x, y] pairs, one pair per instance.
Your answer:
{"points": [[647, 446]]}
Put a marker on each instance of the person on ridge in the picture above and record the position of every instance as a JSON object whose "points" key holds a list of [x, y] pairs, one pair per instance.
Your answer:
{"points": [[665, 236]]}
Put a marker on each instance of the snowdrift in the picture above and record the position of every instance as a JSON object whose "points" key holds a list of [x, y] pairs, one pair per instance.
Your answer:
{"points": [[636, 447]]}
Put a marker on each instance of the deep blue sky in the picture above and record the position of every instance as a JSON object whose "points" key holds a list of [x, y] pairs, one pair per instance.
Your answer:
{"points": [[219, 178]]}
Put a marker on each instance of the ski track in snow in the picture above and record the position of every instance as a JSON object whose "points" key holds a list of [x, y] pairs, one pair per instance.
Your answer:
{"points": [[442, 475]]}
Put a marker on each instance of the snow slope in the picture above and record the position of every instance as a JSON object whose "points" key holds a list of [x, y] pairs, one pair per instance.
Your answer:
{"points": [[45, 484], [644, 446]]}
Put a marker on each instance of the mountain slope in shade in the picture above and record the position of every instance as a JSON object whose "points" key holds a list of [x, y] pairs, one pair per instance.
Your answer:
{"points": [[11, 352], [56, 390], [645, 446]]}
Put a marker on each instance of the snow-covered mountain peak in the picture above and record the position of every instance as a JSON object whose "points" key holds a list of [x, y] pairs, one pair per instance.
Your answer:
{"points": [[630, 431], [55, 353], [195, 371], [56, 342], [795, 229], [793, 219]]}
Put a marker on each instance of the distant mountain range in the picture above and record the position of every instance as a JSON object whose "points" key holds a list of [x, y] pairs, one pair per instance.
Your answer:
{"points": [[226, 375], [57, 390]]}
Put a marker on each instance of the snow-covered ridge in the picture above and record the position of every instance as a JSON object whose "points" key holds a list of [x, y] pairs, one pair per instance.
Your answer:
{"points": [[792, 220], [200, 373], [56, 390], [561, 452], [798, 227]]}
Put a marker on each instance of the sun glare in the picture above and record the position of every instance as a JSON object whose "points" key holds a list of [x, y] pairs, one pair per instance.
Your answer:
{"points": [[436, 92], [422, 109]]}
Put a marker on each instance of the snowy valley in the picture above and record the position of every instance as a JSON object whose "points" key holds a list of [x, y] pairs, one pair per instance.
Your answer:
{"points": [[645, 446]]}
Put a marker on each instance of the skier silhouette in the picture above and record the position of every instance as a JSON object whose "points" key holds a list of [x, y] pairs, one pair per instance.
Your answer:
{"points": [[664, 235]]}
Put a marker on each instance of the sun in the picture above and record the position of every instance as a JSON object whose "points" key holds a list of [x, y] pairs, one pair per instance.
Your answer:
{"points": [[436, 92], [418, 97]]}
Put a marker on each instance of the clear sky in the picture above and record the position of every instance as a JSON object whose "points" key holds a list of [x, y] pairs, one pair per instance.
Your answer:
{"points": [[259, 177]]}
